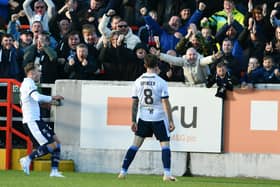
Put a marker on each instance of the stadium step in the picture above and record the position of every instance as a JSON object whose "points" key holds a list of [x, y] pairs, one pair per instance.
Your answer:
{"points": [[41, 164], [2, 159], [45, 165], [16, 155]]}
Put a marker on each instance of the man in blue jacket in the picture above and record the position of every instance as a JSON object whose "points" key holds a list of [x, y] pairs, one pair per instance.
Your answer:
{"points": [[171, 32]]}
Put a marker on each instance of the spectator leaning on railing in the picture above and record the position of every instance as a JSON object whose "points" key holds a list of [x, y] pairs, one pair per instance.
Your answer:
{"points": [[268, 73], [194, 64], [222, 79]]}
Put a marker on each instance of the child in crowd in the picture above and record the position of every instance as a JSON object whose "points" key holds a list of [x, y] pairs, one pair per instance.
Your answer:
{"points": [[266, 74], [253, 66], [222, 79]]}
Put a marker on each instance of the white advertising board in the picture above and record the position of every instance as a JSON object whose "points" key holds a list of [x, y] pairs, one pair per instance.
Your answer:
{"points": [[197, 115]]}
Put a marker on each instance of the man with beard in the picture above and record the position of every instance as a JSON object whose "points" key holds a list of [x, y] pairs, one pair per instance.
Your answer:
{"points": [[25, 39], [10, 59]]}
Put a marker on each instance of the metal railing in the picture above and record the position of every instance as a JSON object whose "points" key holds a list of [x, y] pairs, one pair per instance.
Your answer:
{"points": [[11, 84]]}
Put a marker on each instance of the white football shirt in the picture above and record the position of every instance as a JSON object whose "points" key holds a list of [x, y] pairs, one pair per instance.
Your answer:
{"points": [[30, 98], [150, 89]]}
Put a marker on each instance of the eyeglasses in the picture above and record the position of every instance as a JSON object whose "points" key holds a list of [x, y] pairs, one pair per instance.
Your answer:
{"points": [[39, 7], [122, 26]]}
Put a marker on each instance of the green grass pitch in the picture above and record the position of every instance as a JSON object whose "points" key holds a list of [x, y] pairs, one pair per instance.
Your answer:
{"points": [[75, 179]]}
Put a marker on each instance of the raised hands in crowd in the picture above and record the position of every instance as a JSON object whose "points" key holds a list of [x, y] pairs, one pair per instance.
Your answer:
{"points": [[183, 29]]}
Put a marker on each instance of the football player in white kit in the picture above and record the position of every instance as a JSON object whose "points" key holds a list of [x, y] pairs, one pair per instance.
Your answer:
{"points": [[151, 114], [39, 130]]}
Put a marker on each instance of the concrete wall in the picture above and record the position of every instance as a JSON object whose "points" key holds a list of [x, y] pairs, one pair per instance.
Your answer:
{"points": [[67, 119]]}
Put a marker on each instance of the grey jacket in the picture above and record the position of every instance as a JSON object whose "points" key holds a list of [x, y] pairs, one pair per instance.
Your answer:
{"points": [[195, 73]]}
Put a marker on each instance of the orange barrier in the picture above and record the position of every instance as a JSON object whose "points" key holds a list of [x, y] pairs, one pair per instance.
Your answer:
{"points": [[251, 123], [8, 128]]}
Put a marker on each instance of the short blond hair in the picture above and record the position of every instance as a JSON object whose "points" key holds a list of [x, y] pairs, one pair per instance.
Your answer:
{"points": [[82, 45], [87, 28]]}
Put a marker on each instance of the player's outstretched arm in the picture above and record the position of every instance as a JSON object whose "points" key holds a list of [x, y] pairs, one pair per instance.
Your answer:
{"points": [[56, 100], [57, 97]]}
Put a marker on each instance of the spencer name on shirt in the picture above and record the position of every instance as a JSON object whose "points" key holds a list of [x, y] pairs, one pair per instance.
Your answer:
{"points": [[148, 83]]}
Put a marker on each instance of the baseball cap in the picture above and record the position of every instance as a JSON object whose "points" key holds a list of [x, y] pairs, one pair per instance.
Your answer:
{"points": [[26, 31]]}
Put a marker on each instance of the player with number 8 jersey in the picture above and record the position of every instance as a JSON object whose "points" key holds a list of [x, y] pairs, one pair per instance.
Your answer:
{"points": [[150, 89], [151, 115]]}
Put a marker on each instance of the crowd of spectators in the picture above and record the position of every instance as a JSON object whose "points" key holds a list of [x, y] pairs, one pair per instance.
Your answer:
{"points": [[108, 39]]}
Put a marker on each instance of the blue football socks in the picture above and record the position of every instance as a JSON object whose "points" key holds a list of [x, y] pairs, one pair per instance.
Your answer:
{"points": [[131, 152], [41, 151], [56, 156], [166, 157]]}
